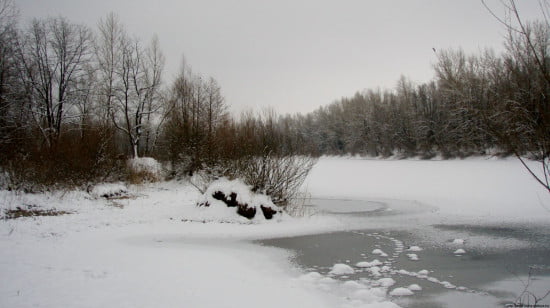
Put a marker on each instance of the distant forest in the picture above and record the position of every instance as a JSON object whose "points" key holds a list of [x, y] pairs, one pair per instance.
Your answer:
{"points": [[74, 101]]}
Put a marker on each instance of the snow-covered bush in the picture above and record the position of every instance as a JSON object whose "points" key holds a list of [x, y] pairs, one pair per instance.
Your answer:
{"points": [[144, 169], [279, 177], [233, 197]]}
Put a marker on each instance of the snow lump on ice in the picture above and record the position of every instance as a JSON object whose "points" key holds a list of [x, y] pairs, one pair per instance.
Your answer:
{"points": [[341, 269]]}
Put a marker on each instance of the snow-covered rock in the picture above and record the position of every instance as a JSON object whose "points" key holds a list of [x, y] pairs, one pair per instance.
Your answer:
{"points": [[459, 251], [458, 241], [414, 248]]}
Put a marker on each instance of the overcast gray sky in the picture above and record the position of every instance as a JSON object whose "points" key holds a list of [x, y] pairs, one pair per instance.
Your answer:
{"points": [[296, 55]]}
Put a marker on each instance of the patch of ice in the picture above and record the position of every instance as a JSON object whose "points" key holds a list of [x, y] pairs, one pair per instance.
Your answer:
{"points": [[414, 248], [341, 269], [401, 292]]}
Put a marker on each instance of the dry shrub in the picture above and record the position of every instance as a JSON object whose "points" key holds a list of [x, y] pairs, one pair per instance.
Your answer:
{"points": [[279, 177], [76, 160]]}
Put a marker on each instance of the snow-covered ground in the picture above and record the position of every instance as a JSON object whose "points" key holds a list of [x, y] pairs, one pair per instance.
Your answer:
{"points": [[153, 247]]}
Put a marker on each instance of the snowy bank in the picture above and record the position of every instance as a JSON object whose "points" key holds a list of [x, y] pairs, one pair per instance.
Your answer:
{"points": [[155, 249]]}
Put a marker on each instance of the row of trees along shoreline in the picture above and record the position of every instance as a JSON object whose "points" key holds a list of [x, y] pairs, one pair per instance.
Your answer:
{"points": [[74, 100]]}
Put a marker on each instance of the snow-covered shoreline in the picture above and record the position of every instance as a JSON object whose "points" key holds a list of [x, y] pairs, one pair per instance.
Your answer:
{"points": [[154, 247]]}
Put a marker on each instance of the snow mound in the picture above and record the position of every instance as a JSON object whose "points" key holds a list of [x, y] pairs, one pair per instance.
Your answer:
{"points": [[109, 190], [401, 292], [144, 169], [433, 279], [385, 282], [379, 252], [404, 272], [412, 256], [375, 262], [459, 251], [414, 248], [341, 269], [311, 276], [353, 285], [227, 199], [375, 271], [458, 241], [423, 272], [414, 287]]}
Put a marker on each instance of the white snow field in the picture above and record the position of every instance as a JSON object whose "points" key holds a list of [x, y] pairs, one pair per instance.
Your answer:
{"points": [[153, 247]]}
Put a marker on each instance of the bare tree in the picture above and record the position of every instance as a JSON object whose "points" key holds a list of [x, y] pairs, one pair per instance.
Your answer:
{"points": [[54, 54], [109, 56], [526, 112], [11, 118], [138, 80], [153, 96]]}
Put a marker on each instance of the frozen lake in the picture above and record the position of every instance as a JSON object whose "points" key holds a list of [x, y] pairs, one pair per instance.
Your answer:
{"points": [[481, 277], [466, 232]]}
